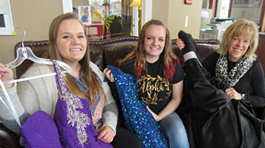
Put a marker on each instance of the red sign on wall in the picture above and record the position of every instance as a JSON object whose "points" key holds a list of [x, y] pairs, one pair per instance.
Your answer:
{"points": [[188, 2]]}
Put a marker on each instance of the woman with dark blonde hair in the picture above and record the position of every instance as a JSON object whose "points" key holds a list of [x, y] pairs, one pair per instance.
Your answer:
{"points": [[241, 27], [222, 97], [86, 73], [233, 62], [159, 80], [92, 101], [139, 53]]}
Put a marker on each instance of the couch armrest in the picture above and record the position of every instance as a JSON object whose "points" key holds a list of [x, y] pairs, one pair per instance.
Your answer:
{"points": [[8, 139]]}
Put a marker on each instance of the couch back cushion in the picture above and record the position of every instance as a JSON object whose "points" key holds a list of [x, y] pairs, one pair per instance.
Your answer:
{"points": [[111, 51], [96, 48], [114, 55]]}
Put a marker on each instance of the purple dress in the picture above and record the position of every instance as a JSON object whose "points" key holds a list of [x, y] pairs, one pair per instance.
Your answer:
{"points": [[40, 131], [73, 118], [73, 122]]}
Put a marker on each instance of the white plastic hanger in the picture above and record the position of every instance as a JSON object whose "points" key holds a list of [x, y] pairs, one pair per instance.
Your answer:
{"points": [[24, 53], [10, 106]]}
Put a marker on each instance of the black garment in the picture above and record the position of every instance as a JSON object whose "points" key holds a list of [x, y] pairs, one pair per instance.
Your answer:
{"points": [[216, 121], [253, 80], [153, 89], [125, 138]]}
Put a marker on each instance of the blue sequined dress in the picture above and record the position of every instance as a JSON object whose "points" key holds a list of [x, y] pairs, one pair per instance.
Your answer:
{"points": [[137, 117]]}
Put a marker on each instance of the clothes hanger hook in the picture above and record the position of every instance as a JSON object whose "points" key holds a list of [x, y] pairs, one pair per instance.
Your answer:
{"points": [[24, 36]]}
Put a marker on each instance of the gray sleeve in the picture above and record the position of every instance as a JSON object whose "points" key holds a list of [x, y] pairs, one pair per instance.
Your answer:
{"points": [[13, 125], [28, 97], [6, 116], [110, 115]]}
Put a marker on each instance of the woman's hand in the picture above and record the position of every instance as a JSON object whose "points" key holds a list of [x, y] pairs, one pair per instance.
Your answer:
{"points": [[106, 134], [6, 74], [180, 44], [233, 94], [153, 114], [109, 74]]}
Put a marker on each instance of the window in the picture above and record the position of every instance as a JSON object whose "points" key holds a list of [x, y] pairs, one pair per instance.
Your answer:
{"points": [[223, 9]]}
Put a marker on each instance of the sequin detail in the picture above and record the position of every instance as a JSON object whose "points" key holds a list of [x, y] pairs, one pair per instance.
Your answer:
{"points": [[75, 118], [137, 117]]}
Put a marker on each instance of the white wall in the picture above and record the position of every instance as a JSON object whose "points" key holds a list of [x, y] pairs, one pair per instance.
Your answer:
{"points": [[35, 17], [174, 13]]}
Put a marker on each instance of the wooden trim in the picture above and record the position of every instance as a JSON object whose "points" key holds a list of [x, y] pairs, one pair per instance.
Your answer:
{"points": [[230, 8], [262, 18], [212, 6]]}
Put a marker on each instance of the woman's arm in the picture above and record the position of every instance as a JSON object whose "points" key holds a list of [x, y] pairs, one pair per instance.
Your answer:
{"points": [[5, 113], [110, 112], [257, 99], [110, 116], [173, 104], [30, 96]]}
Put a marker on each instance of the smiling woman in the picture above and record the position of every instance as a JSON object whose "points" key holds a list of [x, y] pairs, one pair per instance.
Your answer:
{"points": [[71, 42], [225, 88], [90, 97], [159, 83]]}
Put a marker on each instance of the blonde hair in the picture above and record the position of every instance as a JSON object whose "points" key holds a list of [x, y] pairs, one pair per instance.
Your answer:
{"points": [[241, 27], [91, 80]]}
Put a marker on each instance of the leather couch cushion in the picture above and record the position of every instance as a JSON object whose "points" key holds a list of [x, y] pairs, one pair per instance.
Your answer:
{"points": [[96, 56], [114, 55]]}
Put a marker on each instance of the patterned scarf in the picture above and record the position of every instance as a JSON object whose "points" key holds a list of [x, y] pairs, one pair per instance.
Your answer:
{"points": [[223, 78]]}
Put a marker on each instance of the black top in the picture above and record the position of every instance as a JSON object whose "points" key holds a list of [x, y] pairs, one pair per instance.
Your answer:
{"points": [[153, 89], [253, 80]]}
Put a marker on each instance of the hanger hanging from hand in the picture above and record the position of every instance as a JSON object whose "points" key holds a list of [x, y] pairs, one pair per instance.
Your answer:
{"points": [[24, 53]]}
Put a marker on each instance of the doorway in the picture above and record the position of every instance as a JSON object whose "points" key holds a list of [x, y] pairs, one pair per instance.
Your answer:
{"points": [[215, 18]]}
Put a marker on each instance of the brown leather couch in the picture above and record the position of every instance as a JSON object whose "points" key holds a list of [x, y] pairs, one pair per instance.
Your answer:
{"points": [[103, 52]]}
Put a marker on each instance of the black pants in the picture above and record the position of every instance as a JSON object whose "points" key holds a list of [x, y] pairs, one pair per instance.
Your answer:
{"points": [[126, 139]]}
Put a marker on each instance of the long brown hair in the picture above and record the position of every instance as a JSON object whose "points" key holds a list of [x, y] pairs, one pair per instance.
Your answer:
{"points": [[91, 80], [169, 58]]}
